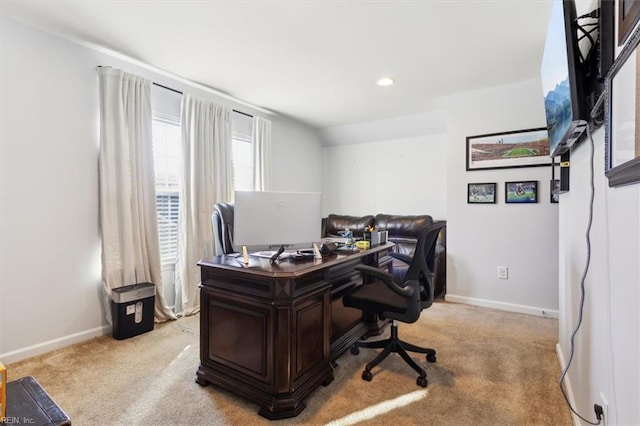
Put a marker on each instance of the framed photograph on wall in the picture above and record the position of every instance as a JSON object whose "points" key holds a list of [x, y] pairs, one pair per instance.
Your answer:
{"points": [[622, 115], [521, 192], [481, 193], [522, 148], [628, 15]]}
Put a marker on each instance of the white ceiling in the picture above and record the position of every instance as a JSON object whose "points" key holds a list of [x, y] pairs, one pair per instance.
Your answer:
{"points": [[316, 61]]}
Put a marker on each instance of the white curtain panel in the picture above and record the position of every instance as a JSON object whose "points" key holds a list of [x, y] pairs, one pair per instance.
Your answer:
{"points": [[207, 178], [261, 148], [128, 218]]}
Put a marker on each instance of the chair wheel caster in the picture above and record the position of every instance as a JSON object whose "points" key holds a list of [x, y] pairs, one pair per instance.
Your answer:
{"points": [[366, 375], [422, 381], [355, 350], [431, 357]]}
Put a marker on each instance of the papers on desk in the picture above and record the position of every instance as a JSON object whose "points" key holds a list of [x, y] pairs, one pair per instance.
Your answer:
{"points": [[335, 240], [299, 255], [264, 253]]}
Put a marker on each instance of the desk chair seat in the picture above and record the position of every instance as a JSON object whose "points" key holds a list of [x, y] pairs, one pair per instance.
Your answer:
{"points": [[386, 298]]}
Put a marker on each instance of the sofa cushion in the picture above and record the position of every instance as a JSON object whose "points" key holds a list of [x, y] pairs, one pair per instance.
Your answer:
{"points": [[403, 226], [403, 230], [336, 223]]}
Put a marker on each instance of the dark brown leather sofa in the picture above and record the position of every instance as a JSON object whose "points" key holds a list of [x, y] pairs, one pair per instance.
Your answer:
{"points": [[403, 231]]}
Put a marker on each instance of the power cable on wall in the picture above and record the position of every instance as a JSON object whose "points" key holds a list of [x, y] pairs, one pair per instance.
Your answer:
{"points": [[597, 408]]}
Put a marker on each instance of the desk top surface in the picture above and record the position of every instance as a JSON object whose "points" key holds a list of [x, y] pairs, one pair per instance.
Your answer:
{"points": [[263, 266]]}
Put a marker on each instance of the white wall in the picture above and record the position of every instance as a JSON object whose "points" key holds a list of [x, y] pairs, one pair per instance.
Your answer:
{"points": [[296, 157], [50, 273], [50, 289], [405, 173], [433, 122], [412, 165], [607, 348], [481, 237]]}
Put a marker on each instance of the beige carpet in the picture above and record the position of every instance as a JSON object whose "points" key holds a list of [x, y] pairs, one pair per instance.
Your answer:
{"points": [[493, 368]]}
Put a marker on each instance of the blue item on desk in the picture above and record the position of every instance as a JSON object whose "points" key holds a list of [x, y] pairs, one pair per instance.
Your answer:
{"points": [[348, 237]]}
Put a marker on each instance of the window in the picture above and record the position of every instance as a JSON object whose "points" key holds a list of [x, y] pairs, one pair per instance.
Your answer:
{"points": [[241, 126], [242, 164], [167, 162], [166, 156]]}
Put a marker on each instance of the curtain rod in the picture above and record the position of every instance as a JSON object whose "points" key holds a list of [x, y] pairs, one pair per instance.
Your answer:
{"points": [[179, 92], [171, 76]]}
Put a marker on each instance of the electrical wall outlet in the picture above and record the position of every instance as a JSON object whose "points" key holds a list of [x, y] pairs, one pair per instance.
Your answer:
{"points": [[605, 409], [503, 272]]}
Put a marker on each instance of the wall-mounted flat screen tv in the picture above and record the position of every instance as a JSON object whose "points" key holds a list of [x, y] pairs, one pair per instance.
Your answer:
{"points": [[564, 103]]}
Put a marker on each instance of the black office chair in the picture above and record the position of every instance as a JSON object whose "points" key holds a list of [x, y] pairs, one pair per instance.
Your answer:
{"points": [[398, 301], [399, 268], [222, 221]]}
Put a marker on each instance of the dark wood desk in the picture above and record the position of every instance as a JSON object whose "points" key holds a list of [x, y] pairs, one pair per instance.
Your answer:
{"points": [[270, 332]]}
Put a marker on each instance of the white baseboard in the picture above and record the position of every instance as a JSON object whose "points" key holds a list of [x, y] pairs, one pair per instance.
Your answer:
{"points": [[511, 307], [61, 342], [567, 385]]}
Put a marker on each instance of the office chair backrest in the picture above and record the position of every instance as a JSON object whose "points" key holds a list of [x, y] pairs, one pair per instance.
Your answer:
{"points": [[222, 219], [421, 267]]}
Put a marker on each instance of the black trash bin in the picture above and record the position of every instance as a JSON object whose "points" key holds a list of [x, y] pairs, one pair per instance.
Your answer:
{"points": [[132, 309]]}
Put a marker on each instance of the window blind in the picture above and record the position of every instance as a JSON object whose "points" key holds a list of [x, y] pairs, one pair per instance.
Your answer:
{"points": [[166, 156], [167, 205]]}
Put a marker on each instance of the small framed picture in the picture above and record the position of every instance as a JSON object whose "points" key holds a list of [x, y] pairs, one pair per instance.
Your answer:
{"points": [[481, 193], [521, 192], [554, 185]]}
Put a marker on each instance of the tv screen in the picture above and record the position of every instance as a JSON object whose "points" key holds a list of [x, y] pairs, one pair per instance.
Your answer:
{"points": [[272, 219], [561, 80]]}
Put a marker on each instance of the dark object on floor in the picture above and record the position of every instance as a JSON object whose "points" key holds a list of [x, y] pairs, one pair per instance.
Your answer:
{"points": [[28, 403], [402, 301], [132, 309]]}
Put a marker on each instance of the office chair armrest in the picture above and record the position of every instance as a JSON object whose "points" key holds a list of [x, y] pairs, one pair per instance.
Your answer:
{"points": [[374, 272], [402, 257], [407, 292]]}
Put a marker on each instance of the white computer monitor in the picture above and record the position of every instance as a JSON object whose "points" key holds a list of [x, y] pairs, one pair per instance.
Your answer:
{"points": [[272, 219]]}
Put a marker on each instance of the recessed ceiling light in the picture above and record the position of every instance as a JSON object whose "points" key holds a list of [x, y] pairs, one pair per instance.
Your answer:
{"points": [[386, 81]]}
